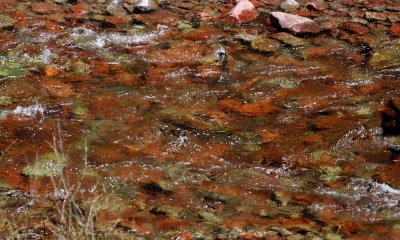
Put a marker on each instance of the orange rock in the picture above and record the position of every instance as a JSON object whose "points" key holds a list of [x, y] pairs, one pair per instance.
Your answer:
{"points": [[78, 78], [270, 135], [50, 71], [250, 109], [45, 8], [186, 236], [316, 52], [312, 138], [329, 122], [56, 88]]}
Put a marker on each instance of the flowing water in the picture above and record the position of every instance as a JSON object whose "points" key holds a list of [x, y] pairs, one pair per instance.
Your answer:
{"points": [[173, 126]]}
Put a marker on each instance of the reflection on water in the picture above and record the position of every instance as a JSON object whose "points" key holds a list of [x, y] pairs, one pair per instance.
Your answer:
{"points": [[173, 125]]}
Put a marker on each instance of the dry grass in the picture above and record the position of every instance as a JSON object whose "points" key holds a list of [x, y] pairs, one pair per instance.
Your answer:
{"points": [[70, 221]]}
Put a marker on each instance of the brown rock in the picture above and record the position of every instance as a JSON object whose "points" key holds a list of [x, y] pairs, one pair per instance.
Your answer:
{"points": [[45, 8], [294, 24], [375, 16], [355, 28], [315, 6]]}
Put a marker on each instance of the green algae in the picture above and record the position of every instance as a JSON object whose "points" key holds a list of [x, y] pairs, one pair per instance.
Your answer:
{"points": [[12, 70], [47, 165], [5, 100], [330, 174]]}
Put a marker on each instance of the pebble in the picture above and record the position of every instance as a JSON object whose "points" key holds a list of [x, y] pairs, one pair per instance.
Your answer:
{"points": [[289, 5], [375, 16]]}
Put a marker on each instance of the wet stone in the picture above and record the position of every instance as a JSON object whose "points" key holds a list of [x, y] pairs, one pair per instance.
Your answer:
{"points": [[45, 8], [6, 21], [294, 24], [355, 28], [375, 16], [290, 40], [265, 45], [387, 56]]}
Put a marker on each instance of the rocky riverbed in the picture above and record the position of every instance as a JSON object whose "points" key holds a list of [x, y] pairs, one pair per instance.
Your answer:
{"points": [[131, 119]]}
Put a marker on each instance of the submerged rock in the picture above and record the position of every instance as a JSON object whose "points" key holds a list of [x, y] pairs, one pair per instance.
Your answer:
{"points": [[289, 39], [386, 56], [264, 45], [6, 21], [259, 43], [375, 16], [330, 174], [294, 24], [45, 8], [189, 119]]}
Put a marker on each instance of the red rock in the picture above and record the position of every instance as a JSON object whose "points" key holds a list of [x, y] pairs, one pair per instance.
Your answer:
{"points": [[295, 24], [45, 8], [355, 28], [395, 29]]}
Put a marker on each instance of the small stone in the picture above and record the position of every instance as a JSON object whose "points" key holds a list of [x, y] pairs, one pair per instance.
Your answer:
{"points": [[79, 67], [210, 217], [316, 6], [289, 5], [290, 40], [265, 45], [129, 7], [375, 16], [45, 8], [146, 6], [355, 28], [115, 8], [294, 24], [6, 21]]}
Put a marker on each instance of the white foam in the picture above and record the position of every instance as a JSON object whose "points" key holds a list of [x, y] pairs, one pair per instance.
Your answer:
{"points": [[29, 111]]}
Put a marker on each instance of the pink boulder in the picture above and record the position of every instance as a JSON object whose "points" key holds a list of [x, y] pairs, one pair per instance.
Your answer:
{"points": [[294, 24]]}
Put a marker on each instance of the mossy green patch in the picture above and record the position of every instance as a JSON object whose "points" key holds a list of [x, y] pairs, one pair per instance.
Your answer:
{"points": [[365, 112], [5, 100], [330, 174], [12, 70], [50, 164]]}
